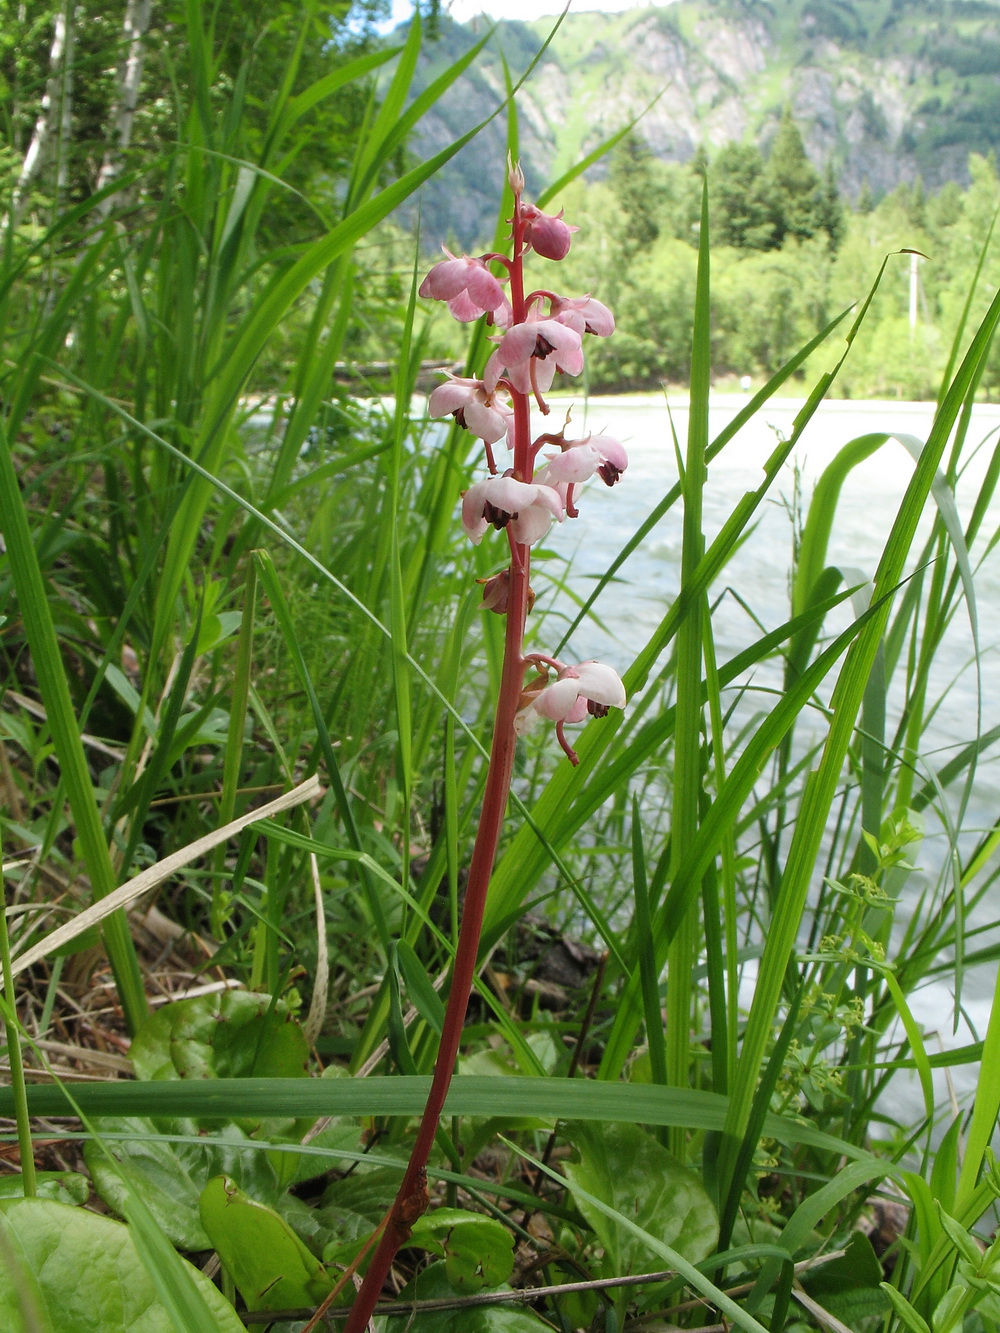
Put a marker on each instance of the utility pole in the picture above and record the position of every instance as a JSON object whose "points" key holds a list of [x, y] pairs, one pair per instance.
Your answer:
{"points": [[914, 288]]}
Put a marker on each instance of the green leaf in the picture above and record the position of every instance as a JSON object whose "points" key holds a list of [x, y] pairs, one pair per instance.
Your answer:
{"points": [[237, 1034], [625, 1168], [81, 1271], [62, 1186], [478, 1251], [432, 1284], [959, 1237], [498, 1097], [171, 1176], [270, 1266], [352, 1207], [904, 1310], [233, 1035], [849, 1287]]}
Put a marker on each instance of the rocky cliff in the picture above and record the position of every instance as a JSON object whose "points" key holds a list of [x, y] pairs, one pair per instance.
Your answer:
{"points": [[883, 90]]}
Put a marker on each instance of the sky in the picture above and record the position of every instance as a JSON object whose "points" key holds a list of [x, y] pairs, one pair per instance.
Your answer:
{"points": [[461, 10]]}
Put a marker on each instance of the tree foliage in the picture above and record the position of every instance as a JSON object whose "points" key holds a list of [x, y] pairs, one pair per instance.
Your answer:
{"points": [[770, 297], [251, 45]]}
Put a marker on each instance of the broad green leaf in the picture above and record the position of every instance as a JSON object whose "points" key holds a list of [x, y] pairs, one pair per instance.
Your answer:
{"points": [[432, 1284], [233, 1035], [352, 1207], [478, 1251], [172, 1176], [61, 1186], [625, 1168], [270, 1266], [849, 1287], [83, 1273]]}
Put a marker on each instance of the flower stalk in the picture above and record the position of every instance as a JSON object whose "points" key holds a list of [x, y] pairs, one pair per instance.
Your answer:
{"points": [[533, 345]]}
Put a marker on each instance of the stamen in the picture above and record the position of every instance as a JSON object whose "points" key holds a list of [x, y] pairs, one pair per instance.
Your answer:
{"points": [[498, 517]]}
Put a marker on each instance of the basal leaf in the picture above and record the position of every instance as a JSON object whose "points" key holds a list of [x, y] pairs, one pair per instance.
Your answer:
{"points": [[478, 1251], [233, 1035], [629, 1170], [61, 1186], [270, 1266], [171, 1176], [433, 1284], [83, 1273]]}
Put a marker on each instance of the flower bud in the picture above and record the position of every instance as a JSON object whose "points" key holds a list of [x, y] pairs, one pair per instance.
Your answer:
{"points": [[515, 176], [547, 235]]}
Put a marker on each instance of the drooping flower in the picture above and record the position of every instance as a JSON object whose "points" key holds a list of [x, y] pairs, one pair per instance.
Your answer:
{"points": [[547, 235], [583, 313], [468, 287], [526, 507], [532, 352], [589, 689], [473, 407], [581, 459]]}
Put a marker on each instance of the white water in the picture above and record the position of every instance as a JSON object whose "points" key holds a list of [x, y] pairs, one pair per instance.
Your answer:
{"points": [[632, 607]]}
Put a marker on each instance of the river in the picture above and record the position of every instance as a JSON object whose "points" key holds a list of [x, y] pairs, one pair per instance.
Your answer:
{"points": [[630, 608]]}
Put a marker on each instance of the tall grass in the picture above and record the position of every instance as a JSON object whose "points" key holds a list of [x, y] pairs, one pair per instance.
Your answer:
{"points": [[220, 580]]}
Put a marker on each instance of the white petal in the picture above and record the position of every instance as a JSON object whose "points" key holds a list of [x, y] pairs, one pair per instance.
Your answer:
{"points": [[600, 683], [531, 525]]}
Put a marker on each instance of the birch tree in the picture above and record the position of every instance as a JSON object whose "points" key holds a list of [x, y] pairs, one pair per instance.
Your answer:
{"points": [[136, 24], [53, 111]]}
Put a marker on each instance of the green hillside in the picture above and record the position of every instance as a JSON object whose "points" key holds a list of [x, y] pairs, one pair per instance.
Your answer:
{"points": [[884, 91]]}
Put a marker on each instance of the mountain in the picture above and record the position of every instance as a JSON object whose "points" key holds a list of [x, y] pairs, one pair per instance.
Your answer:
{"points": [[884, 91]]}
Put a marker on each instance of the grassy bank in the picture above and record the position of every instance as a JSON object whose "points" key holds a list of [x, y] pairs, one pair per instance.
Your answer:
{"points": [[248, 691]]}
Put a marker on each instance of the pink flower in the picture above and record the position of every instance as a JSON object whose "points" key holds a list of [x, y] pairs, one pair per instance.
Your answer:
{"points": [[548, 236], [583, 313], [532, 352], [526, 507], [581, 459], [469, 288], [578, 691], [472, 407]]}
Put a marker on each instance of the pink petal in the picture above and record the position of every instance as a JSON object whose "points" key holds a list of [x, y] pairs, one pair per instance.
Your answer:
{"points": [[464, 308], [484, 288], [531, 525], [517, 346], [453, 396], [611, 451], [488, 423], [445, 280], [573, 465], [558, 700], [494, 369]]}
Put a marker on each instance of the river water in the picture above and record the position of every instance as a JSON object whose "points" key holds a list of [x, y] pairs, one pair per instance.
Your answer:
{"points": [[630, 608]]}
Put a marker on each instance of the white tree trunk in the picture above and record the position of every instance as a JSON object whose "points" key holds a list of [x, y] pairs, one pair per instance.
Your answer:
{"points": [[137, 19], [65, 107], [49, 111]]}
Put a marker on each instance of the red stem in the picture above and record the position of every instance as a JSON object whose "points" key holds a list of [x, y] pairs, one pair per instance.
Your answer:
{"points": [[412, 1200]]}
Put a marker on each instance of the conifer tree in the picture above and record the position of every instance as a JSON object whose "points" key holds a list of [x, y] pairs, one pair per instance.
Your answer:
{"points": [[794, 182], [631, 179], [744, 211]]}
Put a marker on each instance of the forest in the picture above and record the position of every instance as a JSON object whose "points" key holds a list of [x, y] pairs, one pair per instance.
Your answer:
{"points": [[372, 956]]}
